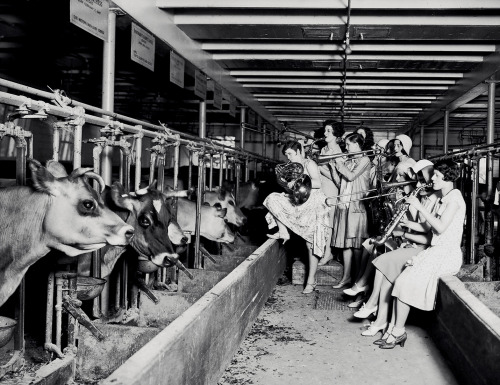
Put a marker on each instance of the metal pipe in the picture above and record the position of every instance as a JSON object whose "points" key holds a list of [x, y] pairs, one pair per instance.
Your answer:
{"points": [[474, 210], [247, 171], [190, 169], [138, 159], [422, 150], [55, 142], [108, 90], [490, 137], [176, 176], [202, 130], [243, 111], [446, 131], [211, 175], [221, 169], [264, 142], [58, 311], [197, 253]]}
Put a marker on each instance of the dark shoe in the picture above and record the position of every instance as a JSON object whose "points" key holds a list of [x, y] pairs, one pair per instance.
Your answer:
{"points": [[397, 341]]}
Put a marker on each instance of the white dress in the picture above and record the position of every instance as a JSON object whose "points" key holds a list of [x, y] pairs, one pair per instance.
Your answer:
{"points": [[417, 284]]}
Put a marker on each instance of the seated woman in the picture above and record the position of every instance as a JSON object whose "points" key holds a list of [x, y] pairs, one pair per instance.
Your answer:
{"points": [[309, 220], [416, 236], [350, 221], [417, 284]]}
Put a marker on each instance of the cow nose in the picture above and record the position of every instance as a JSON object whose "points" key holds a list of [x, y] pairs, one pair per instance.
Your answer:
{"points": [[245, 220], [129, 234], [184, 240]]}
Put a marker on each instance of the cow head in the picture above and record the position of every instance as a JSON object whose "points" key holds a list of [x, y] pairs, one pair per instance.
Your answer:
{"points": [[213, 224], [226, 200], [151, 216], [76, 221]]}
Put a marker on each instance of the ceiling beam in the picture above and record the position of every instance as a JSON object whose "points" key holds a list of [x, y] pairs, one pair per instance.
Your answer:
{"points": [[350, 74], [348, 81], [161, 24], [292, 56], [355, 47], [349, 101], [348, 86], [320, 17], [330, 4], [337, 97]]}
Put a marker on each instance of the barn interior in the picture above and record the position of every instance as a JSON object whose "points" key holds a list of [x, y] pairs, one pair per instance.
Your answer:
{"points": [[268, 72]]}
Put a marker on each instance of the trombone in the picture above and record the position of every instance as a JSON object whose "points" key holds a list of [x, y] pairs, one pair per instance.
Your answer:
{"points": [[326, 158]]}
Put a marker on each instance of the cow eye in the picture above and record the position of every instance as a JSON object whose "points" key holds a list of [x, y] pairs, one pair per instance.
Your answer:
{"points": [[231, 203], [144, 221], [88, 204]]}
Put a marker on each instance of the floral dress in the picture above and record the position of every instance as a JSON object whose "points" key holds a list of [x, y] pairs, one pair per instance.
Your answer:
{"points": [[417, 284], [309, 220], [350, 227]]}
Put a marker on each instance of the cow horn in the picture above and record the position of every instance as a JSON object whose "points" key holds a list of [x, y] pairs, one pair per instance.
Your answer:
{"points": [[98, 178], [141, 191], [183, 268], [176, 194], [88, 173]]}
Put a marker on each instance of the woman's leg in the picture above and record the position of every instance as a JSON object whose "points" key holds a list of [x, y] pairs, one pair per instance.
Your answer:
{"points": [[366, 269], [328, 250], [282, 232], [384, 301], [347, 255], [400, 315], [313, 265]]}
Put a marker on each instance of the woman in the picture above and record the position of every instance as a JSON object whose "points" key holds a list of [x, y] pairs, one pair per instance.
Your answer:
{"points": [[416, 236], [309, 220], [353, 177], [333, 131], [417, 284]]}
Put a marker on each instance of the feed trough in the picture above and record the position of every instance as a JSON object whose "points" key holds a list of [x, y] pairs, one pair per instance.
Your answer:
{"points": [[89, 287], [7, 327]]}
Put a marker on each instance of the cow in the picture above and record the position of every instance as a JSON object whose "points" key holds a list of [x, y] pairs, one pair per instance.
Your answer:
{"points": [[213, 225], [60, 213], [225, 199]]}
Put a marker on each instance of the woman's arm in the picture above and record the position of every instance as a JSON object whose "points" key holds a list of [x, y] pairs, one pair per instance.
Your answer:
{"points": [[325, 171], [357, 171], [334, 173], [313, 171], [438, 224]]}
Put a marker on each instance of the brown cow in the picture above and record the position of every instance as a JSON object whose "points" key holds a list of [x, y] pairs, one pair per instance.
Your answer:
{"points": [[63, 213]]}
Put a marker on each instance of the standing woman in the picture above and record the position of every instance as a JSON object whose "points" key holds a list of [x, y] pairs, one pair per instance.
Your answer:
{"points": [[309, 220], [333, 131], [351, 222], [417, 284]]}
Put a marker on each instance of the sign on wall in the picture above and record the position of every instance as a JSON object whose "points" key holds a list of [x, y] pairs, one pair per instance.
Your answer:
{"points": [[217, 96], [200, 84], [177, 65], [142, 47], [91, 16]]}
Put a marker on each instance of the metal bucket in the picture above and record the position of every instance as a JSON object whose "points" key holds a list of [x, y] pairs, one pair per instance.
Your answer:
{"points": [[88, 287]]}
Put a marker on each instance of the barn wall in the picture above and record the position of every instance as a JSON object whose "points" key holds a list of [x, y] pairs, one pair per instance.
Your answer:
{"points": [[198, 345]]}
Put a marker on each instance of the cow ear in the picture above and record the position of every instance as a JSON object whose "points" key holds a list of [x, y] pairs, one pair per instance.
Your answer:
{"points": [[221, 213], [43, 180], [56, 169], [121, 198], [222, 194]]}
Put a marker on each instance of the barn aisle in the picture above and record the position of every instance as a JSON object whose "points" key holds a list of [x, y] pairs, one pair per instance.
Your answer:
{"points": [[293, 343]]}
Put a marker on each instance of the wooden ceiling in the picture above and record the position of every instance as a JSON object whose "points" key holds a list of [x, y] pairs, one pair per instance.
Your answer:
{"points": [[405, 62]]}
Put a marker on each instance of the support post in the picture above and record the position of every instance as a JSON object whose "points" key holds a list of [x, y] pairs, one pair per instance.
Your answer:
{"points": [[422, 149], [490, 137], [446, 131]]}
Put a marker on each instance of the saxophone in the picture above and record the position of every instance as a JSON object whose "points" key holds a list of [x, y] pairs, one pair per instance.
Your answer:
{"points": [[396, 218]]}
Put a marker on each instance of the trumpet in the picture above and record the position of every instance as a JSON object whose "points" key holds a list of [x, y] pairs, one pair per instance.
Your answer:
{"points": [[309, 152], [326, 158], [396, 218]]}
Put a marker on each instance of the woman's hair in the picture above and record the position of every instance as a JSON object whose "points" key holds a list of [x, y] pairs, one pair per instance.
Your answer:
{"points": [[293, 144], [355, 138], [337, 127], [449, 169], [369, 140], [390, 147]]}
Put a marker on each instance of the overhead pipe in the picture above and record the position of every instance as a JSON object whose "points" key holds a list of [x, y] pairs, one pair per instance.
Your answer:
{"points": [[422, 150]]}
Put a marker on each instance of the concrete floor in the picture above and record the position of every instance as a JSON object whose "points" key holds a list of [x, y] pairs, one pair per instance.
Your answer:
{"points": [[292, 343]]}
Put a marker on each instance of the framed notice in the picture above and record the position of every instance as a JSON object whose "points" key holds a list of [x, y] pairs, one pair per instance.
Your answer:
{"points": [[142, 47], [217, 96], [200, 84], [177, 65], [91, 16]]}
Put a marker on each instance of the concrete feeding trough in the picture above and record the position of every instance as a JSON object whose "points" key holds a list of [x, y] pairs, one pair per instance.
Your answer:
{"points": [[466, 330]]}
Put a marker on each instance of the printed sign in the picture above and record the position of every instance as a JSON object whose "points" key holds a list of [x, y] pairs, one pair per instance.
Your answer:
{"points": [[217, 96], [142, 47], [91, 16], [200, 84], [177, 64]]}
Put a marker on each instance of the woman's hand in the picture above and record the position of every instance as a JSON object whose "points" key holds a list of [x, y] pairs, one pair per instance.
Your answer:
{"points": [[414, 202], [409, 262], [403, 222], [290, 184], [397, 233]]}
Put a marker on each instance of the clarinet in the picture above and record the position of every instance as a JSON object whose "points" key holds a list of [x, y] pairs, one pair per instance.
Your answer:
{"points": [[396, 218]]}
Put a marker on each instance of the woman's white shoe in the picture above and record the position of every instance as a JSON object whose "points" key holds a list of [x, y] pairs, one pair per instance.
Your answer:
{"points": [[373, 329], [365, 312]]}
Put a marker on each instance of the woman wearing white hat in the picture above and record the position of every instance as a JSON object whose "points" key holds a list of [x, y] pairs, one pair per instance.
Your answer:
{"points": [[401, 146]]}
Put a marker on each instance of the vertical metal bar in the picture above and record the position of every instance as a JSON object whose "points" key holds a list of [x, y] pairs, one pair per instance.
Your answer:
{"points": [[161, 172], [152, 165], [221, 168], [58, 311], [446, 131], [202, 129], [176, 176], [264, 141], [237, 170], [72, 322], [490, 137], [226, 168], [243, 111], [211, 175], [55, 142], [247, 170], [190, 169], [474, 224], [77, 139], [422, 149], [199, 197], [138, 159], [50, 308]]}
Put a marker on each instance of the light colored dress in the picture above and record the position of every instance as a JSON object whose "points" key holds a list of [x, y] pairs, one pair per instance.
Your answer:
{"points": [[350, 227], [328, 186], [417, 284], [309, 220]]}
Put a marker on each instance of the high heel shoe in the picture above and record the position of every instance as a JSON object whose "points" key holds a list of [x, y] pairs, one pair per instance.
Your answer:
{"points": [[355, 290], [386, 335], [365, 312], [278, 236], [309, 288], [401, 340], [341, 284], [373, 329]]}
